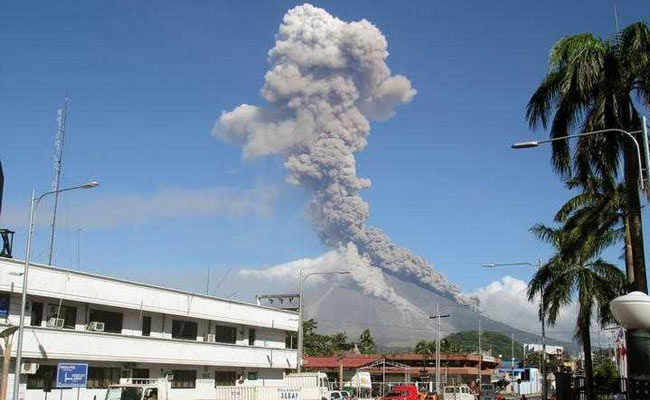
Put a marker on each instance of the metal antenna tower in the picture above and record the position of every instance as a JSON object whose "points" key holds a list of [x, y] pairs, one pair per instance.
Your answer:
{"points": [[58, 167]]}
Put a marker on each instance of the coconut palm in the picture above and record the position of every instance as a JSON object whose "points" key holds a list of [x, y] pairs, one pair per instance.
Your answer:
{"points": [[579, 275], [591, 85]]}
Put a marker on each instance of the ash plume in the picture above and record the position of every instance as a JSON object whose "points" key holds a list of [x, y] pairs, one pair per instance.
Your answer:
{"points": [[327, 79]]}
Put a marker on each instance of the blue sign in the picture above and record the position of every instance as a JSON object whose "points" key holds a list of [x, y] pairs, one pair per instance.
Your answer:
{"points": [[71, 375]]}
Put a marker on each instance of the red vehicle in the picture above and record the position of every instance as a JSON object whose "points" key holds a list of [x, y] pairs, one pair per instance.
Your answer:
{"points": [[402, 392]]}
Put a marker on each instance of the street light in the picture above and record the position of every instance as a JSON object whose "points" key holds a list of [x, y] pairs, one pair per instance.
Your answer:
{"points": [[302, 278], [35, 201], [538, 266], [535, 143]]}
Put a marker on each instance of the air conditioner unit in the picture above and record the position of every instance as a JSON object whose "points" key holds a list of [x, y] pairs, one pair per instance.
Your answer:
{"points": [[210, 337], [55, 322], [96, 326], [29, 368]]}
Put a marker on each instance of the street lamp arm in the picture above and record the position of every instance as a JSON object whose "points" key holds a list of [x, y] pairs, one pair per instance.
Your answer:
{"points": [[87, 185], [305, 276], [524, 145]]}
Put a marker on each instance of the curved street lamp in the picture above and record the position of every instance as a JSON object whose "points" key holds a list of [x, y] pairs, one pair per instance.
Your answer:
{"points": [[301, 310], [35, 201]]}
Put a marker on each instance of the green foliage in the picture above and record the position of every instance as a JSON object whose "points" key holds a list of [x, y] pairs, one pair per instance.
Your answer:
{"points": [[425, 348], [496, 342], [367, 343], [450, 346], [326, 345]]}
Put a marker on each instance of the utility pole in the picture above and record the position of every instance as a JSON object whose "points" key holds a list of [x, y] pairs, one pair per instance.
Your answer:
{"points": [[512, 356], [437, 317], [480, 358], [62, 115]]}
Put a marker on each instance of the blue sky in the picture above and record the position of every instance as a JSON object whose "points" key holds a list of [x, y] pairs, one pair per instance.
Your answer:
{"points": [[148, 79]]}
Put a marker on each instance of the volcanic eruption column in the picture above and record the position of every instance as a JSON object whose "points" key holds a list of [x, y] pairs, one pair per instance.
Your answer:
{"points": [[327, 79]]}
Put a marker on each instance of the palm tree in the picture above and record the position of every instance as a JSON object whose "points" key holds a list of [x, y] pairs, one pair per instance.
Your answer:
{"points": [[591, 85], [576, 274]]}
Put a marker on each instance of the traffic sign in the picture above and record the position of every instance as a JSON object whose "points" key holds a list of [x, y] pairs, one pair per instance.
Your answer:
{"points": [[71, 375]]}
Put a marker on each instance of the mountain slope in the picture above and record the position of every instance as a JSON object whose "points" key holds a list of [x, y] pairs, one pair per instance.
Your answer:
{"points": [[341, 305]]}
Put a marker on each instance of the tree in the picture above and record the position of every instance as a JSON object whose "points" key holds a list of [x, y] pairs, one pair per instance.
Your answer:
{"points": [[450, 346], [426, 348], [367, 343], [590, 85], [339, 342], [576, 273]]}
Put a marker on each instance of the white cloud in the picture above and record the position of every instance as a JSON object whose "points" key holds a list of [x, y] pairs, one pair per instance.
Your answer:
{"points": [[506, 300], [369, 278], [109, 211]]}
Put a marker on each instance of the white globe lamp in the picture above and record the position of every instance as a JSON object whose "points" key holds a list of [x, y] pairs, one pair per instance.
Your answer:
{"points": [[632, 311]]}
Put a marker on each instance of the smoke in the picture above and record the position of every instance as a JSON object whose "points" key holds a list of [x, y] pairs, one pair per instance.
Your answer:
{"points": [[327, 79]]}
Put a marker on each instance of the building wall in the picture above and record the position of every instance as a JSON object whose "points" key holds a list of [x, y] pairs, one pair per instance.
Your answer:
{"points": [[205, 382], [56, 289]]}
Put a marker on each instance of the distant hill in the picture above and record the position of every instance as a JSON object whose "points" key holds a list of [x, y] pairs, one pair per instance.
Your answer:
{"points": [[494, 342]]}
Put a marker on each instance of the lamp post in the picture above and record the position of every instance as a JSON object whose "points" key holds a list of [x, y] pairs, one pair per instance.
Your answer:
{"points": [[543, 318], [437, 317], [301, 310], [637, 339], [30, 230]]}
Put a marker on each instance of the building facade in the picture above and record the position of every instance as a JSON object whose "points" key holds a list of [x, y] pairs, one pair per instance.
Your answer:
{"points": [[389, 369], [125, 329]]}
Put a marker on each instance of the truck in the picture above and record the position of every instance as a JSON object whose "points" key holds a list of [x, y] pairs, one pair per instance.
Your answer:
{"points": [[139, 389], [302, 386], [402, 392]]}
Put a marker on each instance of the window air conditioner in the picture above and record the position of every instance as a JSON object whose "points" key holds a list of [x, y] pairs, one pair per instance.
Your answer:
{"points": [[29, 368], [55, 322], [96, 326], [210, 338]]}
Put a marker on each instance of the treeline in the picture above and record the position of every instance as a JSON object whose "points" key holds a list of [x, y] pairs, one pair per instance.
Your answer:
{"points": [[317, 344]]}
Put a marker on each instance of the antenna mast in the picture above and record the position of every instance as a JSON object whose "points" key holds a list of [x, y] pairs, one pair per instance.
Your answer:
{"points": [[58, 166]]}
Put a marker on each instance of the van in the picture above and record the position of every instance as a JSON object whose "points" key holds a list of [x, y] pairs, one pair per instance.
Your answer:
{"points": [[461, 392]]}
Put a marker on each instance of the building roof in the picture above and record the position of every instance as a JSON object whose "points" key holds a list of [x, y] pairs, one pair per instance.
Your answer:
{"points": [[348, 361]]}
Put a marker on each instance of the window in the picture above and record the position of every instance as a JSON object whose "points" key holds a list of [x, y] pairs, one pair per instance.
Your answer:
{"points": [[184, 330], [4, 305], [252, 376], [44, 378], [151, 394], [291, 340], [140, 373], [225, 334], [146, 326], [251, 336], [225, 378], [101, 378], [112, 320], [36, 314], [67, 313], [184, 379]]}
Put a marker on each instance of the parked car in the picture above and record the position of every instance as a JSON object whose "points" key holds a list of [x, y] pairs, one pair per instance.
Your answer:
{"points": [[402, 392], [339, 395]]}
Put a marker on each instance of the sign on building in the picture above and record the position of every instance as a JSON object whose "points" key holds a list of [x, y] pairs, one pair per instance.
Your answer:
{"points": [[71, 375]]}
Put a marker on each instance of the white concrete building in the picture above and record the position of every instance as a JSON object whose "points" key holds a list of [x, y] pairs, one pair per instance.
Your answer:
{"points": [[148, 332]]}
